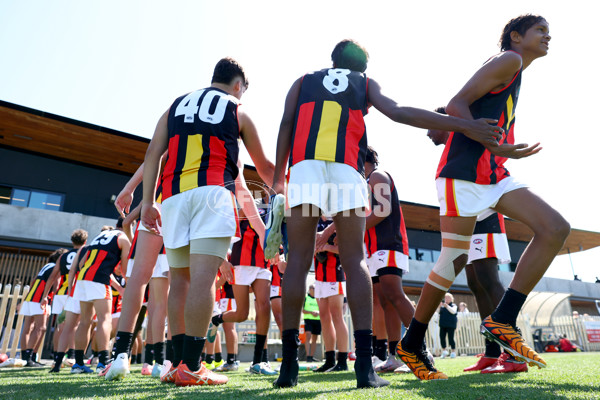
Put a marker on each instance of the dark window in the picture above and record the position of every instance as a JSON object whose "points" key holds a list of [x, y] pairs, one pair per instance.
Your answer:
{"points": [[31, 198]]}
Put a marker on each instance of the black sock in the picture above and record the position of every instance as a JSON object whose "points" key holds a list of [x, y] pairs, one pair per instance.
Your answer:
{"points": [[159, 352], [169, 351], [79, 357], [363, 342], [26, 354], [177, 348], [123, 342], [231, 358], [149, 353], [103, 357], [289, 344], [258, 348], [94, 353], [381, 349], [217, 319], [218, 357], [342, 358], [365, 376], [265, 355], [138, 358], [492, 349], [414, 336], [192, 348], [71, 353], [373, 344], [203, 356], [392, 347], [509, 307], [209, 358], [58, 359], [34, 357]]}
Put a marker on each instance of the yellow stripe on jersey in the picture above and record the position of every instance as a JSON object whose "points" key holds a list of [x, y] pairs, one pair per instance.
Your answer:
{"points": [[88, 264], [32, 290], [193, 156], [327, 136], [509, 108]]}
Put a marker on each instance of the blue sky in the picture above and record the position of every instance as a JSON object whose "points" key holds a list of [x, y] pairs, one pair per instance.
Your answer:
{"points": [[120, 64]]}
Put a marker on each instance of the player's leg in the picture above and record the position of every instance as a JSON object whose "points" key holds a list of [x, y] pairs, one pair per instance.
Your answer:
{"points": [[276, 309], [148, 248], [328, 334], [393, 327], [66, 341], [484, 283], [456, 234], [262, 291], [40, 323], [350, 235], [103, 311], [550, 232], [301, 230], [25, 335], [336, 309], [380, 336], [159, 291], [231, 341], [242, 300], [82, 336]]}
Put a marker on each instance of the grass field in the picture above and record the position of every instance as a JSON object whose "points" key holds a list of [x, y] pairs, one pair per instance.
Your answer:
{"points": [[568, 376]]}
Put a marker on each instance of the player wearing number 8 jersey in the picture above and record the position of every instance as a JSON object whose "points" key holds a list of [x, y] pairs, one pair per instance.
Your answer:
{"points": [[323, 135], [200, 132]]}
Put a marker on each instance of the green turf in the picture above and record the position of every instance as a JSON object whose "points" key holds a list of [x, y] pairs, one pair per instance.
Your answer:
{"points": [[568, 376]]}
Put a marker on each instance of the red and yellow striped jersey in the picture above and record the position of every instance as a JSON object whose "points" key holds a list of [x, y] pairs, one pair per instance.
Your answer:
{"points": [[329, 122], [203, 142], [41, 280], [469, 160], [103, 256]]}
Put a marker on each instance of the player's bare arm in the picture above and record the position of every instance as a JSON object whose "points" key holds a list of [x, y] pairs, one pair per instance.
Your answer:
{"points": [[125, 196], [481, 130], [124, 245], [381, 185], [493, 76], [158, 145], [284, 139], [251, 140], [246, 201]]}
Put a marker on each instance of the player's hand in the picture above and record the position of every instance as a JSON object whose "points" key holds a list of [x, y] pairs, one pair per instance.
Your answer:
{"points": [[121, 290], [151, 218], [315, 313], [484, 131], [521, 150], [278, 187], [227, 270], [44, 303], [123, 202], [321, 241]]}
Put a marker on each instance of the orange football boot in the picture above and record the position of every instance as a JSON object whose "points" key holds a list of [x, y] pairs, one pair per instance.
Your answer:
{"points": [[510, 339], [419, 364], [203, 376]]}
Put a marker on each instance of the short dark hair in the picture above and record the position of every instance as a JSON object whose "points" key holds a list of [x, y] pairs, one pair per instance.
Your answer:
{"points": [[372, 156], [350, 55], [56, 254], [441, 110], [520, 25], [79, 237], [120, 222], [226, 70]]}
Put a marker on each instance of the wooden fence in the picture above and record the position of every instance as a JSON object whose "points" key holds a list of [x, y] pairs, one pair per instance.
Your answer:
{"points": [[11, 322], [19, 268]]}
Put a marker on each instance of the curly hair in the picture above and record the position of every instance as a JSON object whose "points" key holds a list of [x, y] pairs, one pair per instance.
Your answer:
{"points": [[350, 55], [372, 156], [520, 25]]}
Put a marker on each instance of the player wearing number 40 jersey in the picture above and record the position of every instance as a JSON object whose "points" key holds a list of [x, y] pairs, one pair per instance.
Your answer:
{"points": [[472, 180], [198, 216], [323, 135]]}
